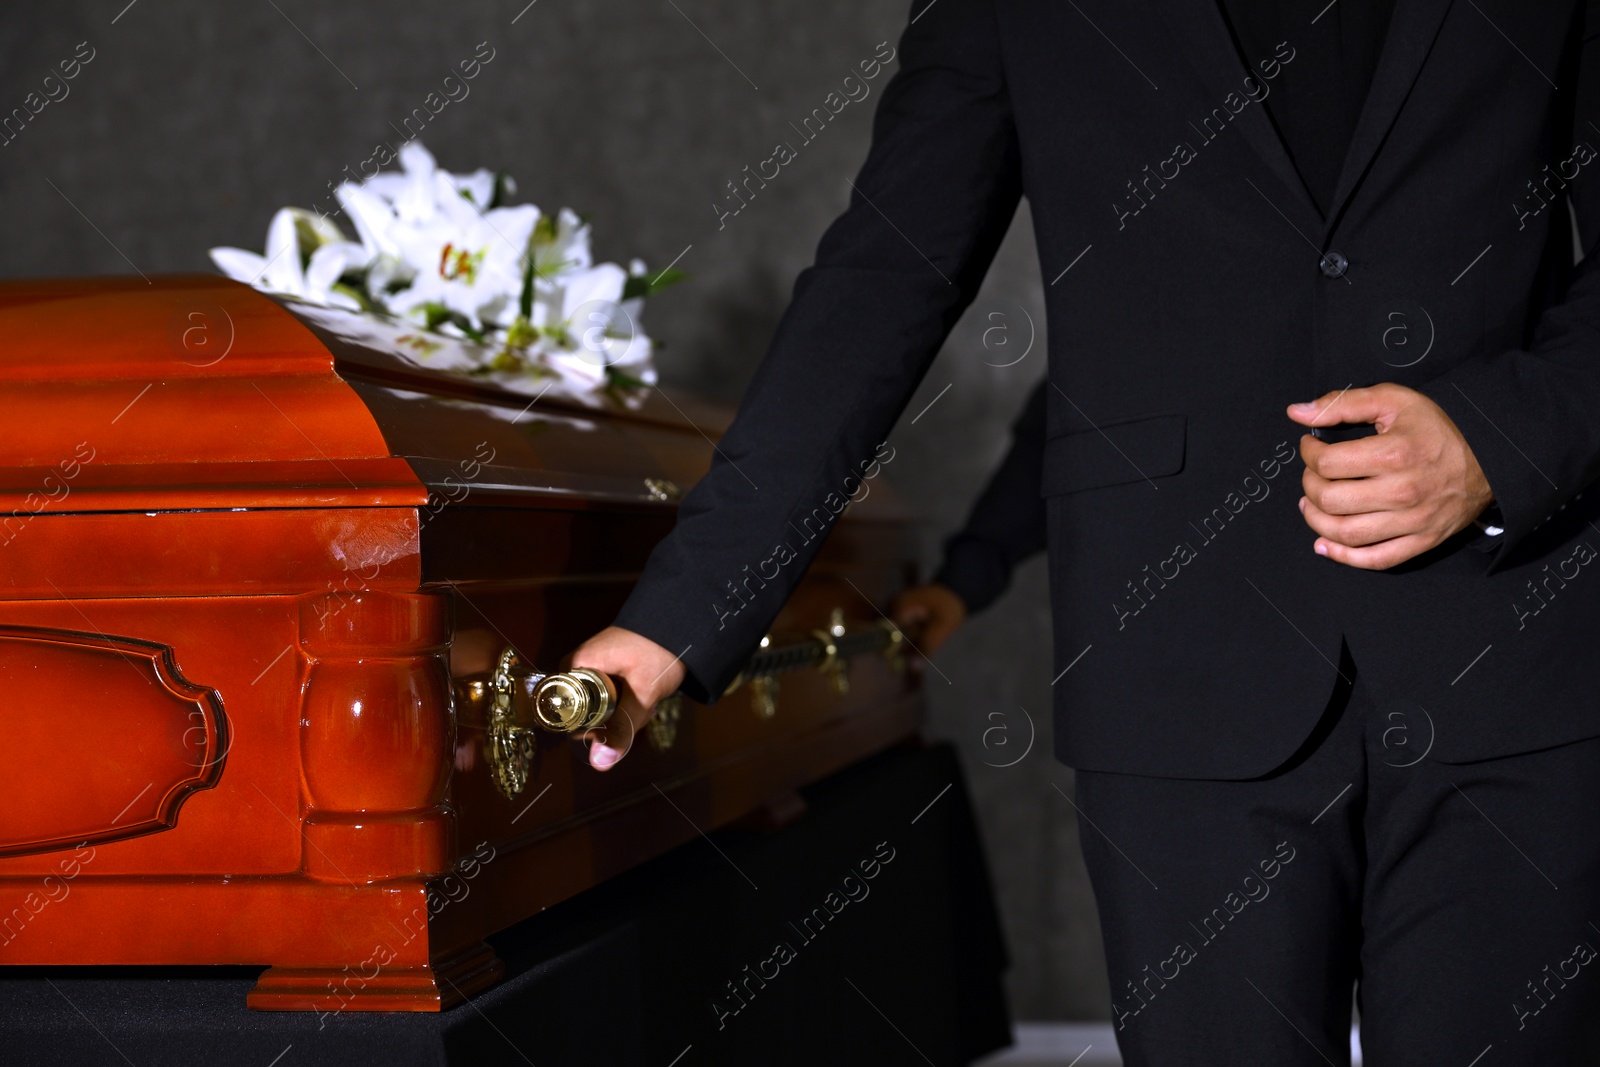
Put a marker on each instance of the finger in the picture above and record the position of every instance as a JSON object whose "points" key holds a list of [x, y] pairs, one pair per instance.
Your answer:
{"points": [[1376, 557], [1346, 405], [613, 740], [936, 633], [1365, 529], [1313, 451], [1384, 453], [1337, 460], [910, 613], [610, 743], [1357, 496]]}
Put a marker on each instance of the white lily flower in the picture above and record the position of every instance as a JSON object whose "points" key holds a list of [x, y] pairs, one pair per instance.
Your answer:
{"points": [[568, 250], [470, 263], [477, 187], [239, 264], [285, 271], [427, 239], [605, 334], [372, 217], [297, 240], [386, 274], [408, 191], [417, 201], [328, 264], [596, 285]]}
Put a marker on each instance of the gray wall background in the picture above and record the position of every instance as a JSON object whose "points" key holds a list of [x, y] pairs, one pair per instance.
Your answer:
{"points": [[194, 121]]}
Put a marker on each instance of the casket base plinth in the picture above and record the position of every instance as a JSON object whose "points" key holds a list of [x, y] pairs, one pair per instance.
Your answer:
{"points": [[439, 985]]}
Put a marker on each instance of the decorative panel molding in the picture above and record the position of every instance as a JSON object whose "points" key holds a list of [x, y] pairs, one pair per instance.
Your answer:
{"points": [[104, 738]]}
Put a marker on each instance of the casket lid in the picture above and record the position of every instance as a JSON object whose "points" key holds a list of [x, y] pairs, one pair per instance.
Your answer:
{"points": [[197, 392]]}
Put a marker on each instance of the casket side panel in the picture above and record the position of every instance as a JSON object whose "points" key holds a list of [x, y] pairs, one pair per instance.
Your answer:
{"points": [[574, 827], [289, 617]]}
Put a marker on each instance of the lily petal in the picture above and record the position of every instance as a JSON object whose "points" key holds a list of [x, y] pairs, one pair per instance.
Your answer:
{"points": [[283, 271], [238, 264]]}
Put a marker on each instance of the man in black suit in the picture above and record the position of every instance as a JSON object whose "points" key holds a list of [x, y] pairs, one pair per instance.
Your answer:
{"points": [[1365, 757]]}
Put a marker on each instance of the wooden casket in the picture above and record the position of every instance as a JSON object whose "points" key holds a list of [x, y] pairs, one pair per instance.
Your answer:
{"points": [[257, 573]]}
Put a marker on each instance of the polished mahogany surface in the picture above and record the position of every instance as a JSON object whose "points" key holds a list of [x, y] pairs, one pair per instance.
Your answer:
{"points": [[255, 570]]}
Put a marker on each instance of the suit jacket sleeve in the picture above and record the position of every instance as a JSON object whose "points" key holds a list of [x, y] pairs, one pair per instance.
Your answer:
{"points": [[1532, 415], [892, 275], [1007, 523]]}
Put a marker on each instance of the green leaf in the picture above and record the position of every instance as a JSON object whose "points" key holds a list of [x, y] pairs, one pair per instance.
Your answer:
{"points": [[625, 380], [670, 276], [466, 327], [525, 301], [355, 293], [645, 285], [502, 189], [434, 314]]}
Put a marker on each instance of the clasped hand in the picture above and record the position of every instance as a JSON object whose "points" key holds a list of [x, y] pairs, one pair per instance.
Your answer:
{"points": [[1378, 501]]}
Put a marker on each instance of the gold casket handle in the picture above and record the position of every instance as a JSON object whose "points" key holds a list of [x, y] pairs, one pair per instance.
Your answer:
{"points": [[572, 701], [567, 702], [575, 700]]}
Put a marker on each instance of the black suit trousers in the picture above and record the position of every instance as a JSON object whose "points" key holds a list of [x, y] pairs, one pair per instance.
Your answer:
{"points": [[1460, 901]]}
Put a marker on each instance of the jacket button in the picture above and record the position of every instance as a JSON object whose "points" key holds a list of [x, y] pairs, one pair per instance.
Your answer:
{"points": [[1334, 265]]}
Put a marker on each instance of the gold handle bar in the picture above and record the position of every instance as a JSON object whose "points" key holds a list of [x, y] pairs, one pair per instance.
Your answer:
{"points": [[572, 701]]}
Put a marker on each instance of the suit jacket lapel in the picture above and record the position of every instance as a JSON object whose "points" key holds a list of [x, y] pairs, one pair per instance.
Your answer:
{"points": [[1201, 34], [1412, 30]]}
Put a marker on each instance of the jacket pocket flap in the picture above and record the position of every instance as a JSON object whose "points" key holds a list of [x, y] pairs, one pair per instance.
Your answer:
{"points": [[1111, 455]]}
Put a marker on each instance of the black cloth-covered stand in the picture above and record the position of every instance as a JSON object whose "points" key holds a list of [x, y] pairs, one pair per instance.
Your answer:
{"points": [[905, 968]]}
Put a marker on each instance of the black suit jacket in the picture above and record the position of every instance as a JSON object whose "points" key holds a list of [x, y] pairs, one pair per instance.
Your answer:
{"points": [[1193, 291], [1006, 524]]}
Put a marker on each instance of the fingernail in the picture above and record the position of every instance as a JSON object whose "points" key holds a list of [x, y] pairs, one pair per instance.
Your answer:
{"points": [[1321, 549], [603, 757], [1302, 505]]}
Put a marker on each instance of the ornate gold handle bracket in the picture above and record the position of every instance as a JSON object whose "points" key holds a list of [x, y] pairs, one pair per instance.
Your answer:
{"points": [[509, 743], [567, 702], [829, 650]]}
